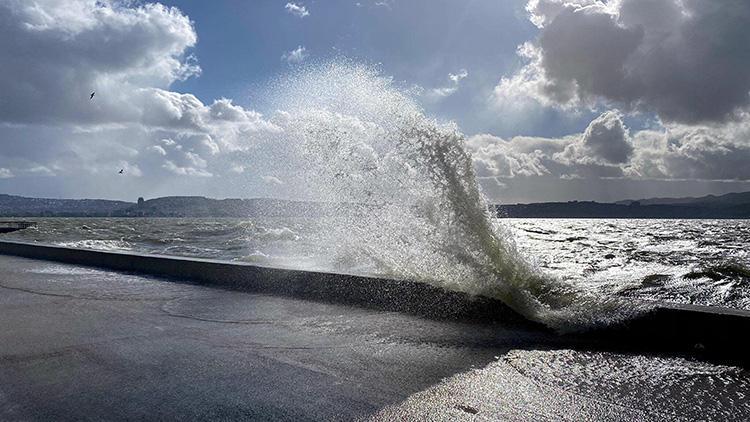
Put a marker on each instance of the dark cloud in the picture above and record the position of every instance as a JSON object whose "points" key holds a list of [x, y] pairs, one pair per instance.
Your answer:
{"points": [[607, 138], [685, 60]]}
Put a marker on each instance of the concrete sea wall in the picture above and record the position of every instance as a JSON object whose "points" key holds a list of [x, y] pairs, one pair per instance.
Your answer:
{"points": [[379, 293]]}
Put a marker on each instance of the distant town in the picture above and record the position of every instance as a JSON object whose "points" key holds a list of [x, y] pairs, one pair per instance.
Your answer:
{"points": [[732, 205]]}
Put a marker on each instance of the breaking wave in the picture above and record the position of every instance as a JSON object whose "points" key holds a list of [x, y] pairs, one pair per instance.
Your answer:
{"points": [[406, 196]]}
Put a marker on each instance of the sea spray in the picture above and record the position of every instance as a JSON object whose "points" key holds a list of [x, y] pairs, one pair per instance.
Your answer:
{"points": [[405, 195]]}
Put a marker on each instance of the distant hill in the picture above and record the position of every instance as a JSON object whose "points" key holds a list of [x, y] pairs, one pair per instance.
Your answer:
{"points": [[737, 198], [576, 209], [170, 206], [731, 205], [19, 206]]}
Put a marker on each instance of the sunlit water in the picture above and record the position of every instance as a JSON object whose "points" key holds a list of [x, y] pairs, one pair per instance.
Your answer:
{"points": [[683, 261]]}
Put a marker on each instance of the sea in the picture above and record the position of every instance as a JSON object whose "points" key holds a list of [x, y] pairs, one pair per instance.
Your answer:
{"points": [[703, 262]]}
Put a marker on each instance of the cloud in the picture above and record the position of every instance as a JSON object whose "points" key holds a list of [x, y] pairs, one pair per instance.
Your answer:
{"points": [[680, 61], [196, 160], [607, 149], [607, 138], [601, 151], [388, 4], [458, 77], [185, 171], [297, 10], [298, 55], [519, 156], [157, 149], [683, 152], [271, 180], [40, 170], [448, 90], [55, 53], [684, 60], [186, 155], [130, 169], [5, 173]]}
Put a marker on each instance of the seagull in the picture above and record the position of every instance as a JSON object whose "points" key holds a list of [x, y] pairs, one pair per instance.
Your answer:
{"points": [[121, 171], [92, 96]]}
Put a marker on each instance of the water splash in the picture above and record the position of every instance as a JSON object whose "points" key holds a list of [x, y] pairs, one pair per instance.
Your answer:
{"points": [[406, 196]]}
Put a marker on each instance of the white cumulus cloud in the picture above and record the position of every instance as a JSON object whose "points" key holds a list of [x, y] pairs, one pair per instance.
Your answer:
{"points": [[297, 10], [185, 171], [5, 173], [298, 55], [55, 53], [607, 149], [450, 89], [272, 180], [157, 149]]}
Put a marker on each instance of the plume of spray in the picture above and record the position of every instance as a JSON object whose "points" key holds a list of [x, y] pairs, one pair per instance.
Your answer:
{"points": [[405, 195]]}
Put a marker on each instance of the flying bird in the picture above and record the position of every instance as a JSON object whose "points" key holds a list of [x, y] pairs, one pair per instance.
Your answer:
{"points": [[92, 96], [121, 171]]}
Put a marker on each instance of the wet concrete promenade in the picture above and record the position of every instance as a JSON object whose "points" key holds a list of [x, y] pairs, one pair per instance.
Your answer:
{"points": [[78, 343]]}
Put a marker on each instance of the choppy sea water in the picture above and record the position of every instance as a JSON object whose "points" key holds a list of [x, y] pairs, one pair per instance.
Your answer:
{"points": [[683, 261]]}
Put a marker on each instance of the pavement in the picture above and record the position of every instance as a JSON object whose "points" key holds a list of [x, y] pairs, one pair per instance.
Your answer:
{"points": [[79, 343]]}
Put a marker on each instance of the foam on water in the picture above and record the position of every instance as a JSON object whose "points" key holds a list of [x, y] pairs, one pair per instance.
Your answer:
{"points": [[406, 195], [104, 245]]}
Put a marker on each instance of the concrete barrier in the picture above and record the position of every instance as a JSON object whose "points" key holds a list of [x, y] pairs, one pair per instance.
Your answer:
{"points": [[379, 293], [708, 332]]}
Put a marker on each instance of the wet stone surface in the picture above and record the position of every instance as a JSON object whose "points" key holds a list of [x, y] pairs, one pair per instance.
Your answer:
{"points": [[86, 344]]}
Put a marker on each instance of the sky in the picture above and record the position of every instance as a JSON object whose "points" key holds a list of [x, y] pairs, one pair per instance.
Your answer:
{"points": [[557, 100]]}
